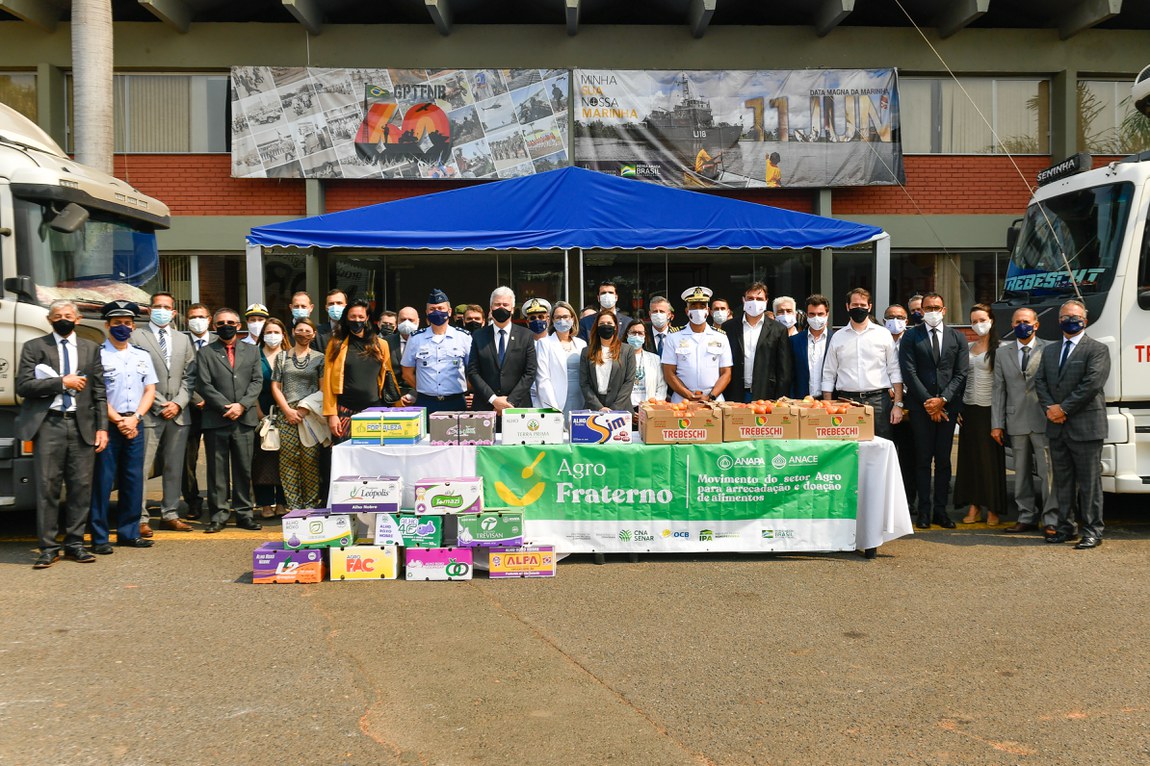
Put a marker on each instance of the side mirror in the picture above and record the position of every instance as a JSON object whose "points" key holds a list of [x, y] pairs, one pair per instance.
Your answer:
{"points": [[22, 286], [1144, 299], [1012, 233], [69, 220]]}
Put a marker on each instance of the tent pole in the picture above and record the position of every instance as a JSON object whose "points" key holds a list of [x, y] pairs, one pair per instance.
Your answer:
{"points": [[881, 274], [826, 274], [567, 275], [254, 269], [581, 304]]}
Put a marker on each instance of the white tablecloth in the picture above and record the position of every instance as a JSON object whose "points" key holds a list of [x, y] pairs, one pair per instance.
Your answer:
{"points": [[883, 514]]}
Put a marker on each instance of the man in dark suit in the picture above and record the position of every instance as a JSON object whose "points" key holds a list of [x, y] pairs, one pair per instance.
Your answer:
{"points": [[229, 379], [199, 320], [501, 367], [608, 298], [407, 325], [763, 364], [65, 416], [335, 303], [1070, 388], [934, 360], [809, 349]]}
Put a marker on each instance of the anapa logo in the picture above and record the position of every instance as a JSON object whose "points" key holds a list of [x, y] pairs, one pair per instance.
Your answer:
{"points": [[725, 461]]}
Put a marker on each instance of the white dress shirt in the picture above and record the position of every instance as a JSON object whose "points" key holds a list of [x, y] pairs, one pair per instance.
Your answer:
{"points": [[816, 350], [69, 347], [751, 333], [860, 361], [167, 330]]}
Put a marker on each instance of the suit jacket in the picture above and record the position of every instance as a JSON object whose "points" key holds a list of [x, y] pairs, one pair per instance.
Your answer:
{"points": [[91, 403], [174, 385], [396, 363], [1014, 406], [212, 338], [221, 385], [774, 361], [801, 379], [922, 379], [619, 384], [1077, 387], [621, 322], [514, 379]]}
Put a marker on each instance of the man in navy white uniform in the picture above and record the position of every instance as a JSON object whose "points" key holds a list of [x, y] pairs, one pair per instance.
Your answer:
{"points": [[697, 359], [435, 360]]}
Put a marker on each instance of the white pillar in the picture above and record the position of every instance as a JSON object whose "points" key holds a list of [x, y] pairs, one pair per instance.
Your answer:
{"points": [[254, 269], [881, 274]]}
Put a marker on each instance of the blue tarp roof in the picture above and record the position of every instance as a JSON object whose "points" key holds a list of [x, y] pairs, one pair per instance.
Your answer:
{"points": [[562, 209]]}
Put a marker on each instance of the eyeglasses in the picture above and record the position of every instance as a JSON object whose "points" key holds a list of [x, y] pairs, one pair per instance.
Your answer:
{"points": [[1069, 317], [227, 323]]}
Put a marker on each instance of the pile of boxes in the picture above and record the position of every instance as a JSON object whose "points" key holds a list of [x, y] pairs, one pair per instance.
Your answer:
{"points": [[461, 428], [698, 423]]}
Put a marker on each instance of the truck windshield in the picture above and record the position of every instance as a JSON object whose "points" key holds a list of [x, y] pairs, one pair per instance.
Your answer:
{"points": [[1086, 227], [109, 258]]}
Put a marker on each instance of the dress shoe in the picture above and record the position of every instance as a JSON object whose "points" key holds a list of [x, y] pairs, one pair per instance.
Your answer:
{"points": [[175, 525], [1061, 537], [267, 512], [80, 555], [922, 523], [45, 560], [945, 523], [192, 514], [1019, 527], [136, 542], [104, 549], [215, 526], [145, 530], [252, 524], [1088, 542]]}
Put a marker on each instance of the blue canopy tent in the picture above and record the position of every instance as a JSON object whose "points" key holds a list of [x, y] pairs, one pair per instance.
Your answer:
{"points": [[567, 209]]}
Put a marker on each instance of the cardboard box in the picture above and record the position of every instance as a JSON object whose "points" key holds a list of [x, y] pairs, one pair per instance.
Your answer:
{"points": [[856, 423], [449, 495], [365, 494], [364, 562], [477, 427], [438, 564], [273, 563], [386, 530], [393, 425], [702, 425], [366, 429], [421, 531], [527, 561], [443, 428], [533, 426], [740, 423], [316, 528], [594, 427], [487, 530]]}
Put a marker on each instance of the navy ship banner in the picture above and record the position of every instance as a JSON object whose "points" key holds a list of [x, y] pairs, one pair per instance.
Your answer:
{"points": [[297, 122], [711, 129]]}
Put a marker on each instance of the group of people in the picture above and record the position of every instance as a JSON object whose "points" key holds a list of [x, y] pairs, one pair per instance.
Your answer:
{"points": [[138, 406]]}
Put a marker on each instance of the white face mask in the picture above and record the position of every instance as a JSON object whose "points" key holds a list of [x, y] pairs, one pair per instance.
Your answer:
{"points": [[754, 308], [564, 325], [659, 319], [720, 316], [896, 326], [786, 320], [406, 327], [697, 316], [932, 318], [255, 328], [981, 328], [607, 300], [198, 325], [273, 340], [817, 323]]}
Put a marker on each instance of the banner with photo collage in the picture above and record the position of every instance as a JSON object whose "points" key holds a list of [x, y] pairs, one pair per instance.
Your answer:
{"points": [[304, 122]]}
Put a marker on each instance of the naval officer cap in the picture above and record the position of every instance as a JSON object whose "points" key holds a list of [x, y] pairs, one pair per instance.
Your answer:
{"points": [[536, 306], [256, 310], [437, 296], [120, 309], [697, 294]]}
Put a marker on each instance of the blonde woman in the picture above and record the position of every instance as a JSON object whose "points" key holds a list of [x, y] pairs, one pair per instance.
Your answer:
{"points": [[557, 359]]}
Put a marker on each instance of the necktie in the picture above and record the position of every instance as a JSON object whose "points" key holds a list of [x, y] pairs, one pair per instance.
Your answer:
{"points": [[164, 347], [502, 347], [200, 343], [934, 345], [1025, 359], [659, 345], [67, 398], [1065, 352], [231, 355]]}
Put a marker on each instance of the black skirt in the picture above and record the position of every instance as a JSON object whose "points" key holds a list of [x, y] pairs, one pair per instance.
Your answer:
{"points": [[981, 477]]}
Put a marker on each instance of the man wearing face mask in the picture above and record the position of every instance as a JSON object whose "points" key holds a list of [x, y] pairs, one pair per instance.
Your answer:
{"points": [[387, 323], [407, 325], [1016, 414], [473, 318], [697, 360], [435, 360], [914, 310], [199, 320], [661, 317], [608, 298], [501, 365], [166, 422], [720, 312], [935, 360], [537, 312], [809, 348], [785, 314], [256, 316], [1070, 386], [861, 365], [335, 303], [300, 307], [761, 354], [902, 434]]}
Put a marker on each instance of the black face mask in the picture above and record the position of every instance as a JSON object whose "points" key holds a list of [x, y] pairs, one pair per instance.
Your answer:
{"points": [[915, 318], [356, 327], [500, 315], [606, 331], [63, 327], [859, 314], [226, 331], [473, 326]]}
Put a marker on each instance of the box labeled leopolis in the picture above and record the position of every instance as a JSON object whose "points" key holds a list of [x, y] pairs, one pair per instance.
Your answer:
{"points": [[366, 494], [491, 530]]}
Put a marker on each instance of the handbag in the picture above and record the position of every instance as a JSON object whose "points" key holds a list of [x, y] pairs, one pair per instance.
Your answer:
{"points": [[269, 435]]}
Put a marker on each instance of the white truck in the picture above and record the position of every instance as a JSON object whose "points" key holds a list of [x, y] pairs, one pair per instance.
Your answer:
{"points": [[66, 231], [1085, 234]]}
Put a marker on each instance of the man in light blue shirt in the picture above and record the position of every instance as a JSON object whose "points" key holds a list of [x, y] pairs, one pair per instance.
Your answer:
{"points": [[435, 360], [130, 380]]}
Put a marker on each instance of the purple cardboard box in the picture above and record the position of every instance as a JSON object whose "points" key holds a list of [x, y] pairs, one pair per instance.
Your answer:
{"points": [[272, 563]]}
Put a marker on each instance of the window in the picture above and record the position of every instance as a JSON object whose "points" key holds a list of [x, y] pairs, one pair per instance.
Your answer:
{"points": [[1107, 121], [939, 118], [18, 90], [168, 114], [962, 278]]}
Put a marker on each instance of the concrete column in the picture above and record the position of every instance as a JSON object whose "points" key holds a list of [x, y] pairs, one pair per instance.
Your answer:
{"points": [[51, 102], [1064, 115]]}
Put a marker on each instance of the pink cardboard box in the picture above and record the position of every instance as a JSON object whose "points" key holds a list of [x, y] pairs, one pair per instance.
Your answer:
{"points": [[439, 564]]}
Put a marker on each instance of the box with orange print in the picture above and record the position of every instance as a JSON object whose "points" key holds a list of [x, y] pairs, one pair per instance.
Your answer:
{"points": [[680, 424], [839, 420], [743, 423]]}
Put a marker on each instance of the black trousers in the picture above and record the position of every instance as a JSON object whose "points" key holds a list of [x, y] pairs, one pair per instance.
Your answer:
{"points": [[190, 485], [1078, 482], [230, 452], [933, 442], [61, 458]]}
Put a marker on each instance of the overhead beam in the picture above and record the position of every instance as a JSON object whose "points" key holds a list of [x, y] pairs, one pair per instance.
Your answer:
{"points": [[36, 12], [699, 16], [175, 13], [959, 14], [440, 12], [307, 13], [830, 14], [1086, 14], [572, 17]]}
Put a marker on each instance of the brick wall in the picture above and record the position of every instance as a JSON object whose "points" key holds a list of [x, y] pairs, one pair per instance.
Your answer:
{"points": [[202, 184]]}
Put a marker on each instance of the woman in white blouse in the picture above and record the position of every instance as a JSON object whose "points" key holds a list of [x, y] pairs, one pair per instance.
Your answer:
{"points": [[649, 380], [606, 371], [981, 478], [557, 362]]}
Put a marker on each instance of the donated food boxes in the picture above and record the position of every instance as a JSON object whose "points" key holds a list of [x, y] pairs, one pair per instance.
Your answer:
{"points": [[273, 563], [365, 494], [461, 428], [388, 425], [745, 422], [317, 528], [595, 427], [840, 420], [486, 530], [663, 423], [438, 564], [462, 494], [528, 561], [364, 562], [532, 426], [420, 531]]}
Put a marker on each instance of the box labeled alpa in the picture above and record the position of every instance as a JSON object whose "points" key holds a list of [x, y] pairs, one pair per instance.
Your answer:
{"points": [[595, 427], [527, 425], [491, 530], [838, 420], [742, 423], [526, 561], [364, 562]]}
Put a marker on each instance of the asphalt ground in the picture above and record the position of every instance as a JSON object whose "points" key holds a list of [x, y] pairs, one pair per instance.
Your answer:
{"points": [[961, 646]]}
